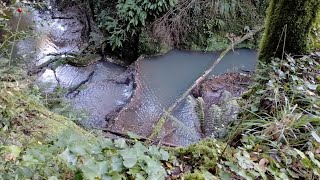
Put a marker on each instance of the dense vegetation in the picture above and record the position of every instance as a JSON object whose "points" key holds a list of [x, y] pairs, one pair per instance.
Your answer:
{"points": [[147, 27], [277, 138]]}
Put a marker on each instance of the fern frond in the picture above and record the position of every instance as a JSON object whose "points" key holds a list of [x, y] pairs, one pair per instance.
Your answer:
{"points": [[200, 109]]}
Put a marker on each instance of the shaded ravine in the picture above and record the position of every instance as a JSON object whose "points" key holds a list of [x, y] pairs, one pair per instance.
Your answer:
{"points": [[161, 80], [107, 92]]}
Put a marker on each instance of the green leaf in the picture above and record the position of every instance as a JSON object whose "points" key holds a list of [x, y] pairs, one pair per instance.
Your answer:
{"points": [[106, 143], [52, 178], [67, 156], [94, 170], [129, 157], [315, 136], [224, 175], [120, 143], [14, 151], [77, 149], [132, 135], [164, 155], [29, 160], [116, 164]]}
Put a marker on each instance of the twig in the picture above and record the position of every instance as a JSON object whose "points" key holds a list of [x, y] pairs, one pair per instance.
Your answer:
{"points": [[14, 39]]}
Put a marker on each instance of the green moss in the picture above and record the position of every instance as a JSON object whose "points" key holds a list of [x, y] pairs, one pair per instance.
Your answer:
{"points": [[202, 155], [26, 118], [83, 60], [297, 16], [197, 175], [148, 45]]}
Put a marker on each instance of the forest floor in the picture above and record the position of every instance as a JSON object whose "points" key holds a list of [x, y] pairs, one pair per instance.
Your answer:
{"points": [[277, 136]]}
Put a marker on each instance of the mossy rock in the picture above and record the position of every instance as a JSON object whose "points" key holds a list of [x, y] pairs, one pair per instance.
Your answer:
{"points": [[84, 60], [295, 18]]}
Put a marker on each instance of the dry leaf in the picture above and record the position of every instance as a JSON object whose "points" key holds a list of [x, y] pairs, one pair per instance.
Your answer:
{"points": [[263, 164]]}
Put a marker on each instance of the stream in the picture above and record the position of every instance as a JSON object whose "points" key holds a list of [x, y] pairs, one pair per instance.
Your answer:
{"points": [[105, 91]]}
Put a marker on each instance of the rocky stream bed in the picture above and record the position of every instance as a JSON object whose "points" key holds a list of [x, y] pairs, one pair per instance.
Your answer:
{"points": [[134, 98]]}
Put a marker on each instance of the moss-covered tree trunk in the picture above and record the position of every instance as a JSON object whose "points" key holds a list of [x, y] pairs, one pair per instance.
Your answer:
{"points": [[290, 20]]}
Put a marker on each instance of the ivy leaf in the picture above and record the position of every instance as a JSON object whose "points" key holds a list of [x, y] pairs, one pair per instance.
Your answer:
{"points": [[224, 175], [106, 143], [154, 169], [94, 170], [154, 151], [77, 149], [116, 164], [29, 160], [67, 156], [120, 143], [140, 149], [53, 178], [164, 155], [129, 157]]}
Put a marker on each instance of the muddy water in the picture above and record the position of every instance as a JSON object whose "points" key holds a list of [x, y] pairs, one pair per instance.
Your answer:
{"points": [[161, 80]]}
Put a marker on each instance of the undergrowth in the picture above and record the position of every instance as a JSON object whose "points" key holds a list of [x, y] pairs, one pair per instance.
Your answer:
{"points": [[277, 137]]}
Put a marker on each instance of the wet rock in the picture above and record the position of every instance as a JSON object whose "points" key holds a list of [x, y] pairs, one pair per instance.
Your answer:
{"points": [[84, 60], [70, 76]]}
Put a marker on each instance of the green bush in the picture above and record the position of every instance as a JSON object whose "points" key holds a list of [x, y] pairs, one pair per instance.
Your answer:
{"points": [[128, 17]]}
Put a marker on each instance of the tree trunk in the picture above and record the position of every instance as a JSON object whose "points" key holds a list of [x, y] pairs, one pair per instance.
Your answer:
{"points": [[288, 26]]}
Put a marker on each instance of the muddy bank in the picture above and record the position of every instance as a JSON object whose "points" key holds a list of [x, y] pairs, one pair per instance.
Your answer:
{"points": [[212, 89]]}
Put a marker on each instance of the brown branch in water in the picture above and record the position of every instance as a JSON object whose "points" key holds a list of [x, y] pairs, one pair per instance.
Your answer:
{"points": [[58, 17], [207, 72]]}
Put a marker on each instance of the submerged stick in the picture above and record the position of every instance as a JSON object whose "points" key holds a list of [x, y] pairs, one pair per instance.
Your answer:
{"points": [[207, 72]]}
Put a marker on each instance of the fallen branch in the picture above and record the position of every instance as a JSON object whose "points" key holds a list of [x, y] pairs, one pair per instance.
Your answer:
{"points": [[38, 68], [142, 139], [207, 72]]}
